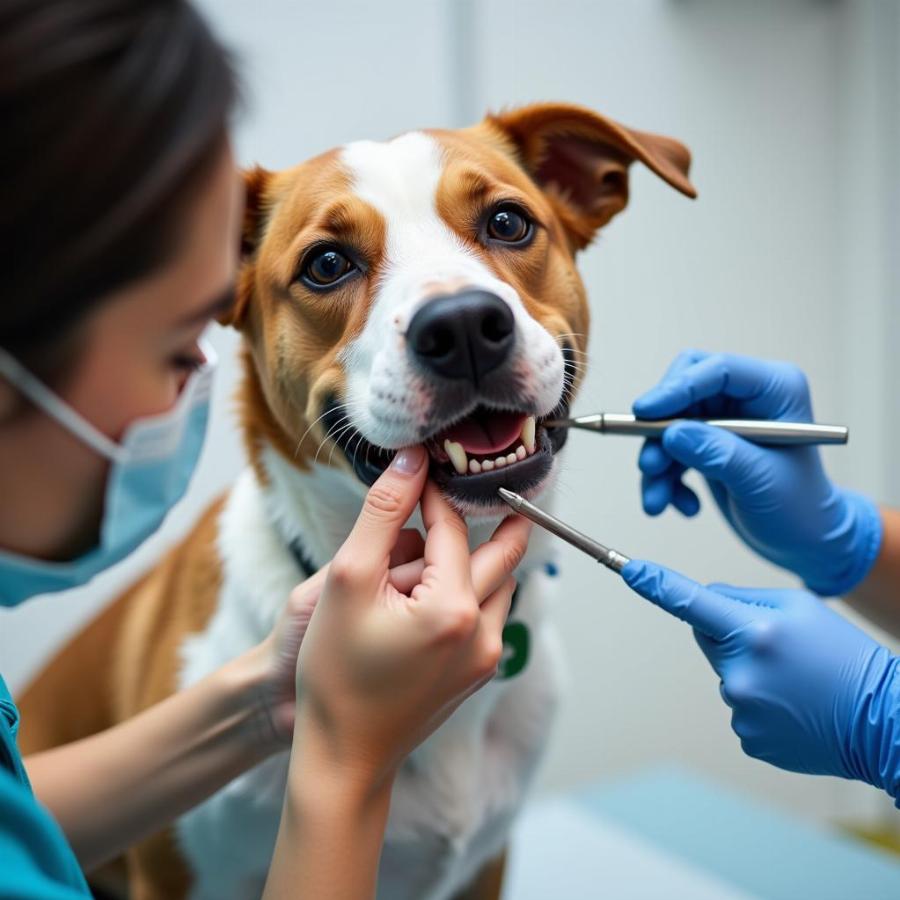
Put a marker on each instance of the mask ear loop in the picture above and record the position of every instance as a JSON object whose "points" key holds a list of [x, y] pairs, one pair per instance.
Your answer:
{"points": [[39, 394]]}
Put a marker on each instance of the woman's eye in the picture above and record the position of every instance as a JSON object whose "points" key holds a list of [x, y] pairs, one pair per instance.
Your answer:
{"points": [[508, 225], [326, 268]]}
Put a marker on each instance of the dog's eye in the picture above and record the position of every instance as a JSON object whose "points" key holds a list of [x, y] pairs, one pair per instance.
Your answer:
{"points": [[326, 267], [509, 225]]}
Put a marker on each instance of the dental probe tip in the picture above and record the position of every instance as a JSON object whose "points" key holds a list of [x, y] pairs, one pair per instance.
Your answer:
{"points": [[512, 498]]}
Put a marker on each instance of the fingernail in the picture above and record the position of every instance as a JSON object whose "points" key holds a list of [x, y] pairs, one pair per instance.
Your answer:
{"points": [[409, 460]]}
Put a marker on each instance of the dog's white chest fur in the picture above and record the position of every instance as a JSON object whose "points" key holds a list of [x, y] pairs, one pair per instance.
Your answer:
{"points": [[454, 799]]}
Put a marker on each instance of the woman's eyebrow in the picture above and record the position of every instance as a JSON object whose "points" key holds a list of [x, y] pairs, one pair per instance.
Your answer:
{"points": [[222, 303]]}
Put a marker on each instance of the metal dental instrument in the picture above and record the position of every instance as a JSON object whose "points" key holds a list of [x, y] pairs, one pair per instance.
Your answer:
{"points": [[612, 559], [760, 431]]}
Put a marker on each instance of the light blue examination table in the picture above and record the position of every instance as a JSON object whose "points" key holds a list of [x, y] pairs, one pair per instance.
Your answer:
{"points": [[669, 834]]}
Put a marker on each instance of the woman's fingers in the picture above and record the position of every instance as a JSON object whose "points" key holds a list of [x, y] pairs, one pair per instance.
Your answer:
{"points": [[495, 609], [447, 538], [363, 558], [405, 577], [410, 545], [495, 560]]}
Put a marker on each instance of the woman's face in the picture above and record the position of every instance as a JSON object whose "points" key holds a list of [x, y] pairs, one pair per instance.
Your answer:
{"points": [[135, 354]]}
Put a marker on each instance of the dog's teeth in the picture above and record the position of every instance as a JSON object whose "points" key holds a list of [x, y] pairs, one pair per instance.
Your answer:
{"points": [[500, 462], [511, 458], [521, 452], [457, 456], [474, 466], [528, 434], [487, 465]]}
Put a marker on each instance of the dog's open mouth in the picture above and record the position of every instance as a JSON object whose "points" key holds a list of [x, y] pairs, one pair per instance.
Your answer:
{"points": [[473, 457], [490, 449]]}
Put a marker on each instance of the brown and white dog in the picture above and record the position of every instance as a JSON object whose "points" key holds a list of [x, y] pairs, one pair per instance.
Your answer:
{"points": [[420, 290]]}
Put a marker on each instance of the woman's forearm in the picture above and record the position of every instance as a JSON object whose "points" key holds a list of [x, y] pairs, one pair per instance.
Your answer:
{"points": [[111, 790], [332, 829], [878, 596]]}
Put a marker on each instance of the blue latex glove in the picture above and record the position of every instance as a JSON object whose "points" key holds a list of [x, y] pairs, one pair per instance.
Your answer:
{"points": [[809, 691], [778, 499]]}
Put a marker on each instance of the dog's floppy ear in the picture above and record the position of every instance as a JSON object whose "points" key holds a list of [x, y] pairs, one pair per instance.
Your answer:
{"points": [[256, 180], [581, 160]]}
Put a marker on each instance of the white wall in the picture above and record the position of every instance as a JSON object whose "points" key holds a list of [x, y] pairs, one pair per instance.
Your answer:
{"points": [[764, 262]]}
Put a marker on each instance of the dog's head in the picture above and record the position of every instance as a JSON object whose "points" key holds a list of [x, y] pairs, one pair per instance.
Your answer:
{"points": [[423, 290]]}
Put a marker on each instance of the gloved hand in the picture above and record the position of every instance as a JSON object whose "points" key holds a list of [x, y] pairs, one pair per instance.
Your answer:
{"points": [[809, 691], [778, 499]]}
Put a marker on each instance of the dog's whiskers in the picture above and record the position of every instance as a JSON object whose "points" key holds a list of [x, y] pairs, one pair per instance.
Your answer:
{"points": [[341, 406], [312, 425], [356, 450], [332, 432], [337, 438]]}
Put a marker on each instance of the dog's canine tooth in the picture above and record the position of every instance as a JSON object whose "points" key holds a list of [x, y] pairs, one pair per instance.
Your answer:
{"points": [[457, 456], [528, 430]]}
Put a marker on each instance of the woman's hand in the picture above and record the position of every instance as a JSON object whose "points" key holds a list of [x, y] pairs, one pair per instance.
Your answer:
{"points": [[777, 499], [277, 655], [390, 653], [391, 647]]}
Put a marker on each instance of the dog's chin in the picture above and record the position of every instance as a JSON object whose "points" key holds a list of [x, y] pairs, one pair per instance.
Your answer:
{"points": [[474, 494]]}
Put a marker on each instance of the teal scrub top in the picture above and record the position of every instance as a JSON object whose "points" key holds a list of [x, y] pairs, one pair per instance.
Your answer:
{"points": [[36, 863]]}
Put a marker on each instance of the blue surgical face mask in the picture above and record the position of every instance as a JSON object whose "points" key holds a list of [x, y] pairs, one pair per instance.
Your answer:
{"points": [[149, 472]]}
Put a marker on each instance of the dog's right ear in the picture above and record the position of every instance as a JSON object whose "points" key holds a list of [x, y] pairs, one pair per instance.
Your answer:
{"points": [[256, 180], [581, 159]]}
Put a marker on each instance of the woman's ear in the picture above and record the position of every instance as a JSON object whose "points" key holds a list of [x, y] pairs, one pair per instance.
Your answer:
{"points": [[256, 181], [581, 159]]}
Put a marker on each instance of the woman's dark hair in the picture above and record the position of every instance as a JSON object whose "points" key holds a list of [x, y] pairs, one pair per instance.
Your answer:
{"points": [[111, 113]]}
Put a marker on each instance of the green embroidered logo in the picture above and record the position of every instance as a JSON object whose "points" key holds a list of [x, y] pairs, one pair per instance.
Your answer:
{"points": [[516, 647]]}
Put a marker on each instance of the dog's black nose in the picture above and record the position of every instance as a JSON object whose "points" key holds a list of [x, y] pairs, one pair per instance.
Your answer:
{"points": [[463, 335]]}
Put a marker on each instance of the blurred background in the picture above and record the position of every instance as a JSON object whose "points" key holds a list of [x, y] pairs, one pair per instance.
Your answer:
{"points": [[790, 109]]}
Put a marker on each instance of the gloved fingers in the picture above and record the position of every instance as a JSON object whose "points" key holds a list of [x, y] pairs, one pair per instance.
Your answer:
{"points": [[653, 460], [661, 482], [762, 598], [718, 455], [656, 494], [685, 500], [713, 651], [723, 375], [646, 405], [684, 360], [716, 615], [722, 498], [723, 694]]}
